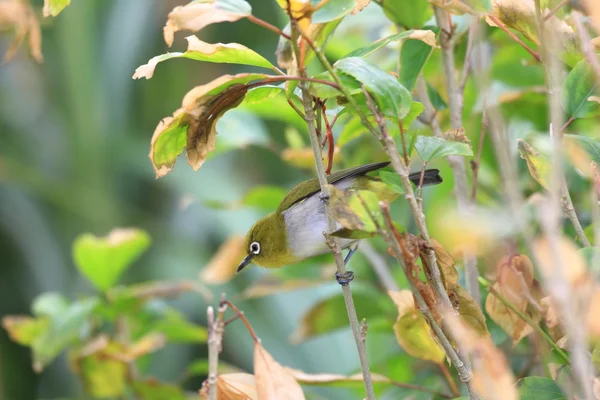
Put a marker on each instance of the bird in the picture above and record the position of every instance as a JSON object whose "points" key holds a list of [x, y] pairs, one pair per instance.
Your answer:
{"points": [[294, 231]]}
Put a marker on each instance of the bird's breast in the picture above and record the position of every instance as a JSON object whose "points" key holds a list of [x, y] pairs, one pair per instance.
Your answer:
{"points": [[305, 224]]}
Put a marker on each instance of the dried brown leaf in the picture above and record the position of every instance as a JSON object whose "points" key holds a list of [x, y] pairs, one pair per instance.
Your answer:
{"points": [[19, 16], [457, 135], [492, 376], [238, 386], [223, 265], [515, 284], [551, 318], [360, 5], [565, 256], [196, 15], [273, 382]]}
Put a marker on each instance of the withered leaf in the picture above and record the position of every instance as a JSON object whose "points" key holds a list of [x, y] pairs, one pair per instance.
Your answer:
{"points": [[19, 16], [515, 284], [235, 386], [470, 312], [457, 135], [412, 331], [273, 382], [193, 126], [223, 265], [569, 260], [198, 14]]}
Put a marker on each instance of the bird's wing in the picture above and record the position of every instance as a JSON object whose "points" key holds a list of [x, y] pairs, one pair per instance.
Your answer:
{"points": [[311, 186]]}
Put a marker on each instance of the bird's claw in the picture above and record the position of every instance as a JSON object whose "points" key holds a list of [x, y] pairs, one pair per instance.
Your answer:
{"points": [[324, 198], [345, 278]]}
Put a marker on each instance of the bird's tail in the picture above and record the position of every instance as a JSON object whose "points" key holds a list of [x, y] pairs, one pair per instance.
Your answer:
{"points": [[431, 177]]}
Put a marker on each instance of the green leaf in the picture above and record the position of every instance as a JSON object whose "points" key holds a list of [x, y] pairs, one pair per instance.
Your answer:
{"points": [[539, 388], [104, 259], [103, 375], [430, 147], [351, 130], [579, 86], [332, 10], [23, 329], [416, 108], [264, 197], [66, 323], [437, 101], [392, 180], [410, 14], [589, 144], [393, 98], [151, 389], [425, 37], [178, 330], [413, 57], [227, 53], [329, 314], [54, 7], [538, 164]]}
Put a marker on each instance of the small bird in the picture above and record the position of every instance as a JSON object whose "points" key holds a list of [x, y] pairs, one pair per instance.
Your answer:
{"points": [[294, 232]]}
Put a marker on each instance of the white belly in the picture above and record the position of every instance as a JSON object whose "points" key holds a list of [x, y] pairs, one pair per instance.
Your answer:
{"points": [[305, 223]]}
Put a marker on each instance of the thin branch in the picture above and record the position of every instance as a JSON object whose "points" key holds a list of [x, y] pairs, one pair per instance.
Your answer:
{"points": [[455, 102], [216, 328], [379, 266], [475, 164], [536, 327], [269, 26], [449, 379], [586, 44], [309, 115], [388, 234], [555, 10], [569, 209], [241, 315], [514, 37]]}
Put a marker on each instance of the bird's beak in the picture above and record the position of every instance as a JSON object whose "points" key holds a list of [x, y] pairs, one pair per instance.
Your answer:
{"points": [[245, 262]]}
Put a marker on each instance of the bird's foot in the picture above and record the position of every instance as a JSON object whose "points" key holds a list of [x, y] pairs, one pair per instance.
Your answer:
{"points": [[345, 278], [324, 198]]}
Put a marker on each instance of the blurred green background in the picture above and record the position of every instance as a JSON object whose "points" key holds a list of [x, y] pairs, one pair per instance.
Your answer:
{"points": [[74, 139]]}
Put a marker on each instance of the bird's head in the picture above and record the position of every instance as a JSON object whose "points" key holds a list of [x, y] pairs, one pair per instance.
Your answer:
{"points": [[266, 243]]}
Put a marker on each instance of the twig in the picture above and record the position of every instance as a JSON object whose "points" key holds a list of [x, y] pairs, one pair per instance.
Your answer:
{"points": [[309, 115], [467, 63], [269, 26], [449, 379], [464, 373], [241, 315], [536, 327], [514, 37], [215, 339], [554, 10], [566, 125], [475, 164], [404, 152], [329, 137], [461, 189], [569, 209]]}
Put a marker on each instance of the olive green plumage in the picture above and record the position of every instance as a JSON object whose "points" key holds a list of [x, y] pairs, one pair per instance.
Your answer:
{"points": [[295, 230]]}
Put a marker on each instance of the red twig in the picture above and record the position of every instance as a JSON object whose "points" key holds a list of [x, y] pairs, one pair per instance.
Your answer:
{"points": [[501, 25], [329, 140], [269, 26], [566, 125], [404, 152], [241, 315]]}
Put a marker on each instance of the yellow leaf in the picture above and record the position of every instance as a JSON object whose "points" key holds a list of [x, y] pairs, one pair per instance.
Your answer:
{"points": [[273, 382], [196, 15], [551, 318], [147, 344], [514, 283], [412, 331], [223, 265], [101, 369], [538, 164], [565, 257], [53, 7], [19, 16], [317, 379], [470, 312]]}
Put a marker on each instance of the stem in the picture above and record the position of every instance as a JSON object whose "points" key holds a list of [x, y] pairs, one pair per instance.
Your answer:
{"points": [[455, 102], [309, 116], [449, 379], [215, 339], [514, 37], [477, 162], [536, 327], [269, 26], [390, 238], [404, 153], [555, 10], [241, 315], [569, 209]]}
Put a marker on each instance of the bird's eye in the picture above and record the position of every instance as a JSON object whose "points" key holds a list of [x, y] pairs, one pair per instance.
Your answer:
{"points": [[255, 247]]}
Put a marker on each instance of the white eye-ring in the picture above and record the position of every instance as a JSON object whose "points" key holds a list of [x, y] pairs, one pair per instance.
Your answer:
{"points": [[255, 247]]}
